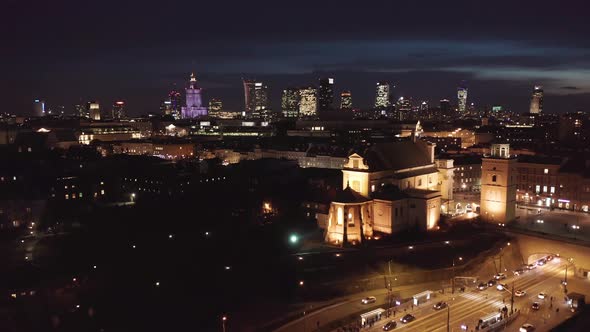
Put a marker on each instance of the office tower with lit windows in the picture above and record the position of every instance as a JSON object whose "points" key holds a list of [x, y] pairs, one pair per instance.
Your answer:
{"points": [[38, 107], [308, 102], [326, 94], [424, 105], [462, 99], [256, 99], [194, 103], [215, 106], [403, 104], [93, 109], [175, 99], [118, 110], [346, 100], [382, 95], [290, 103], [537, 100], [81, 111]]}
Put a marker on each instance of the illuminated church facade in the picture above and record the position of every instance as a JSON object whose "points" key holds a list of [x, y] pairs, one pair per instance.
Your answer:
{"points": [[388, 188]]}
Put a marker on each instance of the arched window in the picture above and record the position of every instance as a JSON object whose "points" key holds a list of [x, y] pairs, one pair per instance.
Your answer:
{"points": [[494, 178]]}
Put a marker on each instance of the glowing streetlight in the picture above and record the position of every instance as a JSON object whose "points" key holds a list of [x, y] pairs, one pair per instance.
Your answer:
{"points": [[293, 238], [301, 283], [132, 197]]}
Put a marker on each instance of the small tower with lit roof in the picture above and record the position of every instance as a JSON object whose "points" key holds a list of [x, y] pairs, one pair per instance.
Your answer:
{"points": [[498, 188]]}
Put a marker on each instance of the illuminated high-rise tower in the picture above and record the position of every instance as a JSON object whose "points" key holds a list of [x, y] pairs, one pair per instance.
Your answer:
{"points": [[39, 107], [382, 95], [537, 100], [346, 100], [118, 110], [93, 108], [290, 103], [256, 99], [194, 103], [462, 99], [326, 94], [308, 102]]}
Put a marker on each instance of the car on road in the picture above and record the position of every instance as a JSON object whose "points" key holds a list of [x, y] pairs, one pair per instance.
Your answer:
{"points": [[440, 305], [519, 293], [518, 272], [407, 318], [482, 286], [536, 306], [541, 262], [500, 276], [542, 295], [491, 283], [549, 258], [501, 287], [369, 299], [531, 266], [390, 326], [527, 328]]}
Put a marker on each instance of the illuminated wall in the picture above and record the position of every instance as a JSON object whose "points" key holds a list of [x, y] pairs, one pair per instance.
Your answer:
{"points": [[498, 189]]}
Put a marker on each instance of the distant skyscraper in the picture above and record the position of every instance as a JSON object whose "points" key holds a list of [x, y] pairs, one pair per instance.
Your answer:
{"points": [[537, 100], [93, 108], [81, 111], [424, 105], [382, 95], [462, 99], [194, 103], [445, 106], [119, 110], [290, 103], [256, 99], [215, 106], [326, 94], [404, 104], [38, 107], [346, 100], [175, 99], [308, 101]]}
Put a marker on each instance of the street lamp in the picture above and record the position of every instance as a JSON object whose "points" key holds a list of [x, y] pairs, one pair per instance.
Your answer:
{"points": [[453, 281], [293, 239], [223, 320], [133, 197]]}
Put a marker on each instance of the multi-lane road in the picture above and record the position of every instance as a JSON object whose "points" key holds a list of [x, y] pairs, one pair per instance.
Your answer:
{"points": [[468, 307]]}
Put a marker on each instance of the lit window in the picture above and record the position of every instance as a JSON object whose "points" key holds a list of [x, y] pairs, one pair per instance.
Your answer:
{"points": [[372, 188], [546, 171], [537, 189], [67, 196], [553, 190], [102, 192], [544, 189]]}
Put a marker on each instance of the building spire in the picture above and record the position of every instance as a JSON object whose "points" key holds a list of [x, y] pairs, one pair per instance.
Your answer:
{"points": [[193, 78]]}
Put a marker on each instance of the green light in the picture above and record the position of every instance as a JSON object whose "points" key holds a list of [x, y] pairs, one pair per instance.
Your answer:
{"points": [[293, 238]]}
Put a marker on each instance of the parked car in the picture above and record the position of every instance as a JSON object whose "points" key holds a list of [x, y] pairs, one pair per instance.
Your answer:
{"points": [[527, 328], [549, 258], [390, 326], [536, 306], [407, 318], [368, 299], [531, 266], [440, 305], [541, 262], [518, 272], [482, 286], [500, 276], [519, 293], [542, 295]]}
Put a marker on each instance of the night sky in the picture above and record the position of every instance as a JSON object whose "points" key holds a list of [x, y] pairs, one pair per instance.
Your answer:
{"points": [[65, 50]]}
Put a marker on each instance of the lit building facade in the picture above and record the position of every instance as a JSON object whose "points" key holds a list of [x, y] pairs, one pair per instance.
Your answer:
{"points": [[346, 100], [215, 106], [537, 100], [383, 193], [382, 95], [326, 94], [194, 103], [94, 110], [290, 103], [308, 102], [462, 99], [498, 185]]}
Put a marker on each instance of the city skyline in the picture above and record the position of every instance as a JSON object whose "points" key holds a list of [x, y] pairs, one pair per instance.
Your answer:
{"points": [[426, 63]]}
